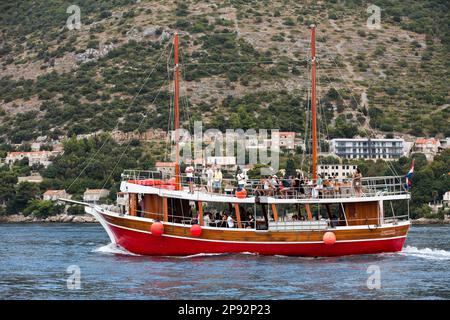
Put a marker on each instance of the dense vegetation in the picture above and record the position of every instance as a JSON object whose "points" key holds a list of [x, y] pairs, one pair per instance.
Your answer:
{"points": [[88, 163], [236, 71]]}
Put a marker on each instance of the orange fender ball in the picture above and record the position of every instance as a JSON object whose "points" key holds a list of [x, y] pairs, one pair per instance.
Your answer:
{"points": [[196, 230], [157, 229], [329, 238], [241, 194]]}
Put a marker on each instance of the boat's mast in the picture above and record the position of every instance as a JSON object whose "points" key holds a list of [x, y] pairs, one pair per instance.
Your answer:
{"points": [[176, 112], [313, 102]]}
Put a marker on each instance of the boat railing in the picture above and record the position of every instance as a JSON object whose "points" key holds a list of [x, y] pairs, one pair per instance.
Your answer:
{"points": [[189, 221], [283, 189], [299, 225], [282, 224], [323, 224]]}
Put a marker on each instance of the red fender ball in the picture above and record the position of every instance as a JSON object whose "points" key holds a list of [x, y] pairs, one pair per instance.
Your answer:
{"points": [[157, 229], [196, 230], [241, 194], [329, 238]]}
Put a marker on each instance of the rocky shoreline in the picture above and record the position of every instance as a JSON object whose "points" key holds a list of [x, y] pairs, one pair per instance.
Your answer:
{"points": [[66, 218], [429, 221], [60, 218]]}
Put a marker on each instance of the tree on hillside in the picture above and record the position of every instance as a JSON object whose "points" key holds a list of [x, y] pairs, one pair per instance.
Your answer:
{"points": [[290, 168], [8, 181], [24, 192]]}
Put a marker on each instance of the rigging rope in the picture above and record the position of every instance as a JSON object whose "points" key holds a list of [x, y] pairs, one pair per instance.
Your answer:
{"points": [[184, 97], [171, 108], [129, 142], [90, 159], [242, 62], [371, 130]]}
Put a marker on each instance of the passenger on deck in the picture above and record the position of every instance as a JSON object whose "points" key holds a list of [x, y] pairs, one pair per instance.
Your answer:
{"points": [[334, 221], [328, 186], [357, 175], [218, 180], [207, 219], [309, 187], [195, 214], [287, 187], [267, 187], [240, 177], [317, 190], [209, 179], [217, 216], [336, 186], [259, 190], [302, 186], [250, 222], [223, 222], [140, 207], [275, 183], [190, 177], [230, 221], [298, 185]]}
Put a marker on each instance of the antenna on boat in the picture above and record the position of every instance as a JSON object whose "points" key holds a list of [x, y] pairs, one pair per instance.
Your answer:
{"points": [[176, 111], [313, 102]]}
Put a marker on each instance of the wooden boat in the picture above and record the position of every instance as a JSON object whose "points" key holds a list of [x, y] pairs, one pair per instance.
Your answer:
{"points": [[162, 221]]}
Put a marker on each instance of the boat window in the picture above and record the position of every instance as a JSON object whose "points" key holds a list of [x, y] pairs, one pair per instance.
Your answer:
{"points": [[290, 212], [218, 214], [179, 210], [261, 215]]}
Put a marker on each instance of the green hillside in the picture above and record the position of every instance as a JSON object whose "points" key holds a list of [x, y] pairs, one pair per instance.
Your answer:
{"points": [[244, 65]]}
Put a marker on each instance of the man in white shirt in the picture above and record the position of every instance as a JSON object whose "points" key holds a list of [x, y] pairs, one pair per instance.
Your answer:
{"points": [[190, 177], [240, 177], [274, 181], [206, 220], [209, 179], [230, 221]]}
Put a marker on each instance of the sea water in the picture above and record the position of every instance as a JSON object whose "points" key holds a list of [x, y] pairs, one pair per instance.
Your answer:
{"points": [[76, 261]]}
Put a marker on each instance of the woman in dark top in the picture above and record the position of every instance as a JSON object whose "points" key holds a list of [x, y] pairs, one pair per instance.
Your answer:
{"points": [[299, 184], [250, 221], [223, 222]]}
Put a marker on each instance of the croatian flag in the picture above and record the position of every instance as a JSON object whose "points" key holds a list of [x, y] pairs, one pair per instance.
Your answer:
{"points": [[409, 176]]}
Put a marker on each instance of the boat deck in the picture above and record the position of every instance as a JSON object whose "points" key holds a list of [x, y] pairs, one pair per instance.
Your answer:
{"points": [[370, 189]]}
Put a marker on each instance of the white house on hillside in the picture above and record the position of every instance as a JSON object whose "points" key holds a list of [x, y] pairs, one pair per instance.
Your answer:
{"points": [[34, 157], [54, 195], [428, 146], [94, 195], [338, 171]]}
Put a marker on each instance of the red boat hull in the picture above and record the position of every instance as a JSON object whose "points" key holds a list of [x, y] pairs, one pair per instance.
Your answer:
{"points": [[147, 244]]}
